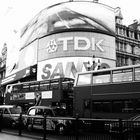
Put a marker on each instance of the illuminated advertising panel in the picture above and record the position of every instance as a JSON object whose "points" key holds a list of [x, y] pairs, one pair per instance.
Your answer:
{"points": [[66, 67], [68, 16], [21, 59], [78, 29], [65, 54]]}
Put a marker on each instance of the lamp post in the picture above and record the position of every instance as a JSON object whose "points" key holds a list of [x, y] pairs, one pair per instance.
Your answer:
{"points": [[88, 66], [99, 65], [95, 65], [93, 62]]}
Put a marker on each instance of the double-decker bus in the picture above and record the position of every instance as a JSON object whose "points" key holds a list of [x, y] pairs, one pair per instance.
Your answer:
{"points": [[55, 93], [108, 93]]}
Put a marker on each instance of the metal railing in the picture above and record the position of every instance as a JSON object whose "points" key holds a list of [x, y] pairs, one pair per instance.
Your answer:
{"points": [[82, 129]]}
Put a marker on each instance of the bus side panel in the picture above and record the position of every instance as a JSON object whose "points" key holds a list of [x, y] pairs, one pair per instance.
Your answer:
{"points": [[81, 94], [84, 96], [116, 91], [55, 97]]}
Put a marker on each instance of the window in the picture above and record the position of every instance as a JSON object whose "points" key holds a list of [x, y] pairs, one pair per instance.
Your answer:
{"points": [[117, 106], [137, 105], [103, 106], [32, 112], [135, 35], [44, 86], [137, 74], [16, 88], [84, 79], [128, 106], [48, 112], [122, 75], [96, 106], [34, 86], [121, 46], [103, 77], [127, 33], [1, 110], [6, 111], [15, 110], [87, 104], [39, 112], [106, 106], [25, 87]]}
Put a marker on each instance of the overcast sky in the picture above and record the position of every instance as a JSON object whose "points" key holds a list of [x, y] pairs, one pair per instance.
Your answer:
{"points": [[14, 14]]}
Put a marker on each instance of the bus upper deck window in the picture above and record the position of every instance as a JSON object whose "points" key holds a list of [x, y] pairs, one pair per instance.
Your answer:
{"points": [[137, 73], [100, 78], [84, 79], [123, 75]]}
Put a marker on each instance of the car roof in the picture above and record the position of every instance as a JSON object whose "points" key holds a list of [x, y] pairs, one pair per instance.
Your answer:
{"points": [[41, 107], [6, 106]]}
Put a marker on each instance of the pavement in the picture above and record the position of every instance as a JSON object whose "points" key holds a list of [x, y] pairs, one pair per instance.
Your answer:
{"points": [[8, 136], [4, 136]]}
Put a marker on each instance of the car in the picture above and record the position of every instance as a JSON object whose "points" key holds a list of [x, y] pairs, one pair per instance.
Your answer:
{"points": [[34, 119], [10, 115]]}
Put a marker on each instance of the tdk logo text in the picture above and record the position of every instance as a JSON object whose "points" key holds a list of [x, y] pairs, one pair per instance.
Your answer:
{"points": [[52, 45]]}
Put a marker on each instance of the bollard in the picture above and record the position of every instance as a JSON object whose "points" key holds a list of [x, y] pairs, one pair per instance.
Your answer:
{"points": [[20, 125], [120, 129], [77, 126], [44, 126], [1, 120]]}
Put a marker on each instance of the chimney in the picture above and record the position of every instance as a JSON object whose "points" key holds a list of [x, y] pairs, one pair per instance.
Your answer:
{"points": [[135, 21]]}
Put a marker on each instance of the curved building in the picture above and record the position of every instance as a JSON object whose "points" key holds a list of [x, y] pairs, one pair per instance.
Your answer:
{"points": [[62, 40]]}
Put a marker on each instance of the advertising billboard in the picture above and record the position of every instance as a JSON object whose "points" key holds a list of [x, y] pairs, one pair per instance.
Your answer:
{"points": [[67, 67], [65, 54], [19, 61], [69, 33], [68, 16]]}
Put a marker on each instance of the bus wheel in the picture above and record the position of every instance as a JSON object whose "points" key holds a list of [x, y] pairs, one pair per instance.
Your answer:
{"points": [[60, 129]]}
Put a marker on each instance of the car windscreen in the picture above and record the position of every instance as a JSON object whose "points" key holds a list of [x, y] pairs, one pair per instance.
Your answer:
{"points": [[15, 110], [60, 112]]}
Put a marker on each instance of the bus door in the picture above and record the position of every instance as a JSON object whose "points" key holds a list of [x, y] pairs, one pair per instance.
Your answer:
{"points": [[87, 108]]}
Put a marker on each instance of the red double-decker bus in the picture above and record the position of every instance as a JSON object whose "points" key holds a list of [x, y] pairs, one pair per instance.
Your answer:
{"points": [[55, 93], [108, 93]]}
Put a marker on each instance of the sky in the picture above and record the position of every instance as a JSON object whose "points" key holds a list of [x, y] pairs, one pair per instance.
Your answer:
{"points": [[14, 14]]}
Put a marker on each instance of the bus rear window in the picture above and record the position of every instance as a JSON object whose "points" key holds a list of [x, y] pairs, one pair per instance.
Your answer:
{"points": [[84, 79]]}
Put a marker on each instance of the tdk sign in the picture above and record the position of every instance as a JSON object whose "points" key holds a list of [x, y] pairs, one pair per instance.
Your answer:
{"points": [[80, 44]]}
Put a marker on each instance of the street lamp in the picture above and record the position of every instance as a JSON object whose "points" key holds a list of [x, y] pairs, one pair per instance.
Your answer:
{"points": [[93, 62], [99, 64], [88, 66]]}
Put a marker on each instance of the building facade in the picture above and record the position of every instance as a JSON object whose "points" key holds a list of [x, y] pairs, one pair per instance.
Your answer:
{"points": [[127, 42], [55, 50], [3, 70]]}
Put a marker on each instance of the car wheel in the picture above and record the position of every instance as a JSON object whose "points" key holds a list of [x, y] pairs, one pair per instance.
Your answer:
{"points": [[29, 127], [13, 124], [61, 129]]}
